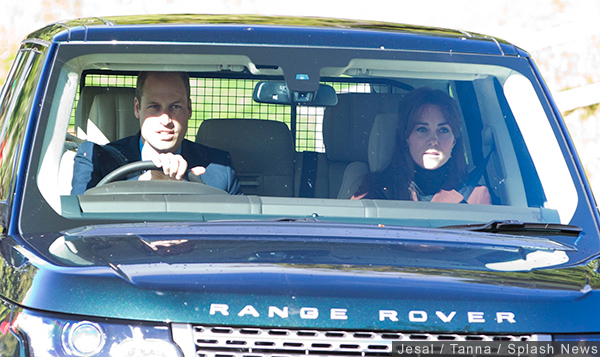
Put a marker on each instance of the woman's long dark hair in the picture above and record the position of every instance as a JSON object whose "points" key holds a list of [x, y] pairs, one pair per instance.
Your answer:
{"points": [[396, 181]]}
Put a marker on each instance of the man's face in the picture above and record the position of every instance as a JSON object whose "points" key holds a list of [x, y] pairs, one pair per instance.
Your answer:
{"points": [[163, 112]]}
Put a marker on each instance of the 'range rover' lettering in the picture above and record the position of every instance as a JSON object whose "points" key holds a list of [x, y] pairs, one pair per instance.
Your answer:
{"points": [[342, 314]]}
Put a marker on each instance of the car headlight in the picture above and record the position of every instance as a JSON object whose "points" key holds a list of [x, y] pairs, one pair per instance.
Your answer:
{"points": [[83, 338], [52, 335]]}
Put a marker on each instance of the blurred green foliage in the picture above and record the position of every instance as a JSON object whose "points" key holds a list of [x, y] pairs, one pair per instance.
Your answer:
{"points": [[5, 67]]}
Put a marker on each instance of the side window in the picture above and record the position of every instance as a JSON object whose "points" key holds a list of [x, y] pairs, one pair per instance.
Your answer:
{"points": [[15, 105]]}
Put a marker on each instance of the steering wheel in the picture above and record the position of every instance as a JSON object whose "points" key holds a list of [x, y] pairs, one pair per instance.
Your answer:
{"points": [[140, 166]]}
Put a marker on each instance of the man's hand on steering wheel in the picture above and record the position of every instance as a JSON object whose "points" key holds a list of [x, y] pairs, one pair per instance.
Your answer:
{"points": [[198, 170], [174, 167], [138, 166]]}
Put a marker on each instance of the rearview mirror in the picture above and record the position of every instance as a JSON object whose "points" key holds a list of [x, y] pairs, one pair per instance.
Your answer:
{"points": [[277, 92]]}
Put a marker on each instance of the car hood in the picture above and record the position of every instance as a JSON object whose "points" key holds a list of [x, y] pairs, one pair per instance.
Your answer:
{"points": [[313, 275]]}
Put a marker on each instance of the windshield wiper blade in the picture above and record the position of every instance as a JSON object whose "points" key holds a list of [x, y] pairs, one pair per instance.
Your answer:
{"points": [[508, 226]]}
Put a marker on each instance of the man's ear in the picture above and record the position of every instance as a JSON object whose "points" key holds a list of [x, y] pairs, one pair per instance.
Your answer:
{"points": [[136, 107], [190, 108]]}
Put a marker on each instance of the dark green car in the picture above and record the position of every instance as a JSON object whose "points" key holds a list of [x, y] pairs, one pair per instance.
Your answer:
{"points": [[371, 189]]}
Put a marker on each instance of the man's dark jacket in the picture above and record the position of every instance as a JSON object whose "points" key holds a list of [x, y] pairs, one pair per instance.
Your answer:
{"points": [[94, 161]]}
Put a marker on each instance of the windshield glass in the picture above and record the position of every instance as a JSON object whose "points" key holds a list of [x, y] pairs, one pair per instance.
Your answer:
{"points": [[379, 137]]}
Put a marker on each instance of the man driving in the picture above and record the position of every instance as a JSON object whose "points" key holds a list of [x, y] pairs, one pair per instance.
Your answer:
{"points": [[163, 106]]}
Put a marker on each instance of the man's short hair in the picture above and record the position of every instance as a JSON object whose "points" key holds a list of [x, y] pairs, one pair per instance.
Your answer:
{"points": [[141, 81]]}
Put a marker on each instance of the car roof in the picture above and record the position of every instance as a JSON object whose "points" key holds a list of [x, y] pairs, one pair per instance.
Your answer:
{"points": [[272, 30]]}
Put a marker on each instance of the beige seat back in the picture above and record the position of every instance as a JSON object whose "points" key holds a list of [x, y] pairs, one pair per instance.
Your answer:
{"points": [[103, 114], [381, 146], [262, 152], [346, 131], [111, 115]]}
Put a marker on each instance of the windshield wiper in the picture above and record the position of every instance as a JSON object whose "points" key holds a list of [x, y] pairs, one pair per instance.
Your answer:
{"points": [[508, 226]]}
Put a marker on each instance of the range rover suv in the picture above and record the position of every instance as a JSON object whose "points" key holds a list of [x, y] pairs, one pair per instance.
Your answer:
{"points": [[312, 256]]}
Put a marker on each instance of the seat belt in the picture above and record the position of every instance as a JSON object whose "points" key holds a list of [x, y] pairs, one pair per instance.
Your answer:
{"points": [[308, 178], [476, 174]]}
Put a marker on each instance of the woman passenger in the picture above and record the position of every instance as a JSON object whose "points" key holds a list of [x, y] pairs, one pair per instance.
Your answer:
{"points": [[429, 162]]}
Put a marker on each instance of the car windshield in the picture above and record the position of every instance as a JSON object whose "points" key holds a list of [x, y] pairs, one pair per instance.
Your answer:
{"points": [[369, 136]]}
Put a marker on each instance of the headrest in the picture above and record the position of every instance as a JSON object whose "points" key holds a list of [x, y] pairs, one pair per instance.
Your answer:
{"points": [[84, 103], [254, 145], [382, 141], [112, 114], [347, 126]]}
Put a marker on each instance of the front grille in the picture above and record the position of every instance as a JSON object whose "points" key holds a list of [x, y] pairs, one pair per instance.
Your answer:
{"points": [[222, 341]]}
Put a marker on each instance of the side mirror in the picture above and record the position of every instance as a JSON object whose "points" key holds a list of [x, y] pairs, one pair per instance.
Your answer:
{"points": [[277, 92]]}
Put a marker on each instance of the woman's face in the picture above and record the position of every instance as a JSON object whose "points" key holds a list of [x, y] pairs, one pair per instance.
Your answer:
{"points": [[431, 141]]}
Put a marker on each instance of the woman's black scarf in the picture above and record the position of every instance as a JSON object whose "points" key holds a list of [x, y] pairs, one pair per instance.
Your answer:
{"points": [[429, 182]]}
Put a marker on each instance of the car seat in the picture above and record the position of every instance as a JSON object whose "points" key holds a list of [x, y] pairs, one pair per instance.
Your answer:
{"points": [[262, 152]]}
